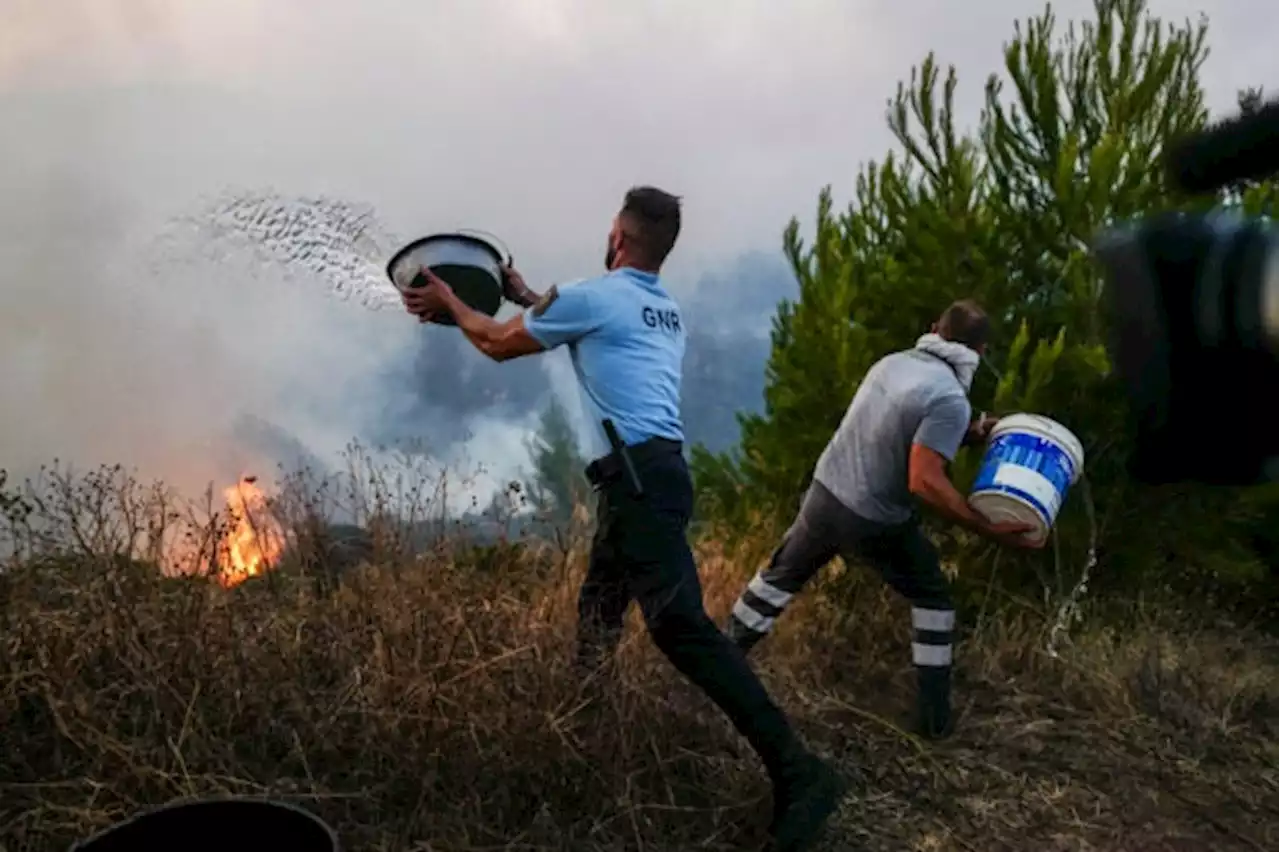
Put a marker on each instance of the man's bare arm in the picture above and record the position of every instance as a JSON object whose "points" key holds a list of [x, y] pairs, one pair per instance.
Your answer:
{"points": [[927, 479], [500, 341]]}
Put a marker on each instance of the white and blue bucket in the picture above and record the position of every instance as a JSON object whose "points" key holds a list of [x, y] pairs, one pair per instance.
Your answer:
{"points": [[1030, 464]]}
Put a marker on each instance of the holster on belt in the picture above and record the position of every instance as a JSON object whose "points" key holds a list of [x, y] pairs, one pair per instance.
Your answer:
{"points": [[608, 469], [621, 463]]}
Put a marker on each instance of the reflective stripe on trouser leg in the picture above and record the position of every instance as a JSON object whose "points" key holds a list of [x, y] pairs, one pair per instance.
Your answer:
{"points": [[932, 636], [760, 605], [806, 547], [765, 597]]}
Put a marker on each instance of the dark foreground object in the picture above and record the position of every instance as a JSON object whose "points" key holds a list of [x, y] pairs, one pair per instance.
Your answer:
{"points": [[239, 825]]}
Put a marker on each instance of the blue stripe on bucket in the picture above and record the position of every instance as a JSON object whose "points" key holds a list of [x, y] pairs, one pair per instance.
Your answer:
{"points": [[1043, 459]]}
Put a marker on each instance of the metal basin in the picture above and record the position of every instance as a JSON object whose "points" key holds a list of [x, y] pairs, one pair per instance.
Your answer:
{"points": [[236, 825], [468, 263]]}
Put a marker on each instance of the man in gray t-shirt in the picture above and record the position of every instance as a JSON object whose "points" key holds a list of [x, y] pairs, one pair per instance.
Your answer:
{"points": [[907, 398], [908, 418]]}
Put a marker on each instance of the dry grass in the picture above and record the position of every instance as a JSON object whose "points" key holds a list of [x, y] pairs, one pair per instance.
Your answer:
{"points": [[426, 704]]}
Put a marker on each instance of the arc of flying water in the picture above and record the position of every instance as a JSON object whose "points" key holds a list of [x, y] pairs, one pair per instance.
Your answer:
{"points": [[318, 237]]}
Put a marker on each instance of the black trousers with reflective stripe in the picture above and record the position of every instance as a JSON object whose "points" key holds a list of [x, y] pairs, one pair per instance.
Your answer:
{"points": [[825, 528], [641, 553]]}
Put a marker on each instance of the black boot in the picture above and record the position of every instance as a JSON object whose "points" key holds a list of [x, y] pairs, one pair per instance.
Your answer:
{"points": [[933, 702], [742, 636], [806, 791]]}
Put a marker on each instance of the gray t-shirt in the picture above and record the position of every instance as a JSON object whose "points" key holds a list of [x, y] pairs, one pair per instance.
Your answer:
{"points": [[907, 398]]}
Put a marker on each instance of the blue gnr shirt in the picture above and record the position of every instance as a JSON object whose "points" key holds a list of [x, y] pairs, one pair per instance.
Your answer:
{"points": [[626, 340]]}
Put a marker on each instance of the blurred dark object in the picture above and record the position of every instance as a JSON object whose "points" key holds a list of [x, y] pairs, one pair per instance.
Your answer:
{"points": [[1238, 149], [1193, 317], [234, 825]]}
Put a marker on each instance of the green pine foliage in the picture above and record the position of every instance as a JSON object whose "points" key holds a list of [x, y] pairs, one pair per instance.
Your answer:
{"points": [[558, 483]]}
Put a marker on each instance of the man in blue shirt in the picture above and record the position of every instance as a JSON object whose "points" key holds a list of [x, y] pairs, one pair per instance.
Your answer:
{"points": [[626, 339]]}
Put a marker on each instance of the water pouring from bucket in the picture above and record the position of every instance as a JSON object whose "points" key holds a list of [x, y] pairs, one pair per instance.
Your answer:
{"points": [[326, 240], [1030, 464]]}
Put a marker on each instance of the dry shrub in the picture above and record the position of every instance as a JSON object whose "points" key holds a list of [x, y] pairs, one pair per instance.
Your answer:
{"points": [[424, 702]]}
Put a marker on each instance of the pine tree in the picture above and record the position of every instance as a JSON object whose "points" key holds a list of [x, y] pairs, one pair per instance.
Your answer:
{"points": [[559, 483]]}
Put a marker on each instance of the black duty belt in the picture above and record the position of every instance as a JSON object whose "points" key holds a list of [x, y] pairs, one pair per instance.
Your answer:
{"points": [[612, 467]]}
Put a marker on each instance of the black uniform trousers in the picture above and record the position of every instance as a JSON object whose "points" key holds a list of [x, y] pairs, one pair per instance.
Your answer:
{"points": [[641, 553]]}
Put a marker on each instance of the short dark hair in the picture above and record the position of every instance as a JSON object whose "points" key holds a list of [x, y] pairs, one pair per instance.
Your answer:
{"points": [[651, 220], [965, 322]]}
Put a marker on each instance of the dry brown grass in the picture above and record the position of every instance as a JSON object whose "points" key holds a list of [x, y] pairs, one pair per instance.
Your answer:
{"points": [[426, 704]]}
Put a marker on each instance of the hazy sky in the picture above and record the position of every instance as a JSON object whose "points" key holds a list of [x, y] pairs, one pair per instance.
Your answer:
{"points": [[525, 117]]}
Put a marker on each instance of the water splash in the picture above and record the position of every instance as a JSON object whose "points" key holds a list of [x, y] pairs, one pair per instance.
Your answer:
{"points": [[317, 237], [1070, 611]]}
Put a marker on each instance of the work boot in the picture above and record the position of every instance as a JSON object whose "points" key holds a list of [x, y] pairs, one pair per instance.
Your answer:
{"points": [[933, 703], [805, 794], [742, 636], [596, 653]]}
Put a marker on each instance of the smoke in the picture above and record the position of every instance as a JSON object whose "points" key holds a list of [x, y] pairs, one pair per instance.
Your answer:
{"points": [[192, 366], [527, 119], [200, 361], [200, 371]]}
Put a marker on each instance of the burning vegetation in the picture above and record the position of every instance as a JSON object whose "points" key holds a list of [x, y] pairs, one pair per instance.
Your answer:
{"points": [[254, 541]]}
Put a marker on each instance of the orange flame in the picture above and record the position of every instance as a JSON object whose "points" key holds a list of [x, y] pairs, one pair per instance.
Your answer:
{"points": [[255, 541]]}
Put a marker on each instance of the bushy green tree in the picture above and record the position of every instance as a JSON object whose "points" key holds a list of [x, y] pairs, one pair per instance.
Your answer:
{"points": [[1068, 142], [1254, 197], [559, 483]]}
